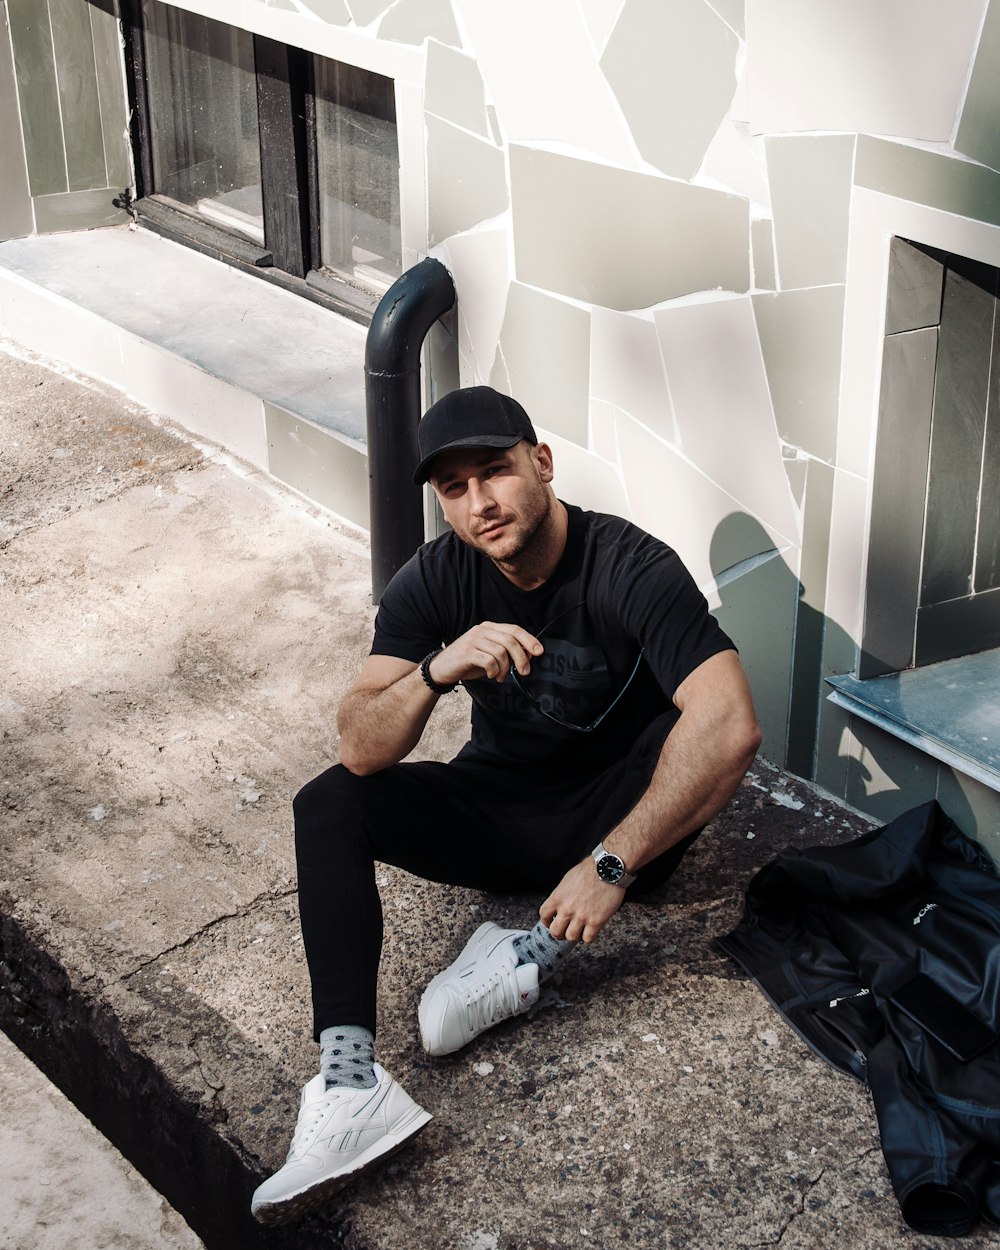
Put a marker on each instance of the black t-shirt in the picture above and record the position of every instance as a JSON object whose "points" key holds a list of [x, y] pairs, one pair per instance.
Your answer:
{"points": [[621, 620]]}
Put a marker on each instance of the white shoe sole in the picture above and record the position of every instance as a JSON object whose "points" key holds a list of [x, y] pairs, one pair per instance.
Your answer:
{"points": [[301, 1201]]}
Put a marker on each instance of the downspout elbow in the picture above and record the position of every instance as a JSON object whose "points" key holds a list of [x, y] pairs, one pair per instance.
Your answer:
{"points": [[392, 401]]}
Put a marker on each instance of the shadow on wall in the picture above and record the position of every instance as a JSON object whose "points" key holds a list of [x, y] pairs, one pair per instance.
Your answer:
{"points": [[785, 644]]}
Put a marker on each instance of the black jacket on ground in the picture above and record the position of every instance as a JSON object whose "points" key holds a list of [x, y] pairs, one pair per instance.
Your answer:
{"points": [[832, 935]]}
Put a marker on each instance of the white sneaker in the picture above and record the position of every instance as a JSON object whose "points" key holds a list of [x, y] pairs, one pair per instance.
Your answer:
{"points": [[483, 986], [339, 1132]]}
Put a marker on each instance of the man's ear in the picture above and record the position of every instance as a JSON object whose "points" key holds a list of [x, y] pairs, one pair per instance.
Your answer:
{"points": [[541, 453]]}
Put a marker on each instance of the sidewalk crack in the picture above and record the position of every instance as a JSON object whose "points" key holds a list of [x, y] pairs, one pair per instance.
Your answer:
{"points": [[266, 896], [803, 1198]]}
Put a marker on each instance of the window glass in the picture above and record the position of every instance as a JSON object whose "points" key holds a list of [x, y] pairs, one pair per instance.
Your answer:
{"points": [[202, 93], [358, 168], [322, 199]]}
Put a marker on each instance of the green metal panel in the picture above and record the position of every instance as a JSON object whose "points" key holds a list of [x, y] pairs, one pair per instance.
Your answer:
{"points": [[34, 62], [15, 202], [111, 88], [76, 75], [77, 210]]}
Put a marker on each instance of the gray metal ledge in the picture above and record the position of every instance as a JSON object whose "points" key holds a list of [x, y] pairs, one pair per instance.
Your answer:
{"points": [[264, 340], [949, 710]]}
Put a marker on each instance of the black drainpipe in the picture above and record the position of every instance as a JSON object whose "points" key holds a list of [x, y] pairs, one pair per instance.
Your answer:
{"points": [[392, 402]]}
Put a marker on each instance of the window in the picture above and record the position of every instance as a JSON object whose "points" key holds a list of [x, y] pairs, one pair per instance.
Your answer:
{"points": [[265, 155], [930, 651], [933, 584]]}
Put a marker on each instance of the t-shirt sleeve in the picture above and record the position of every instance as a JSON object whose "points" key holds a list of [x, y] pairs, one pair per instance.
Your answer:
{"points": [[662, 607], [407, 625]]}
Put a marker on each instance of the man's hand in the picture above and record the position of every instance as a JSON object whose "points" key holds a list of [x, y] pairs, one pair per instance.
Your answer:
{"points": [[581, 904], [486, 650], [384, 713]]}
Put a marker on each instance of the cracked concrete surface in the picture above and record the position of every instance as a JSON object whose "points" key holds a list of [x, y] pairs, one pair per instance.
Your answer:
{"points": [[176, 633]]}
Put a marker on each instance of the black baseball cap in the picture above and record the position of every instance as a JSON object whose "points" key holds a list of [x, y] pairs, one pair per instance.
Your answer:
{"points": [[476, 416]]}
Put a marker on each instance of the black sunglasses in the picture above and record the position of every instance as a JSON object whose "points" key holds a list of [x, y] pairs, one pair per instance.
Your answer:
{"points": [[558, 720]]}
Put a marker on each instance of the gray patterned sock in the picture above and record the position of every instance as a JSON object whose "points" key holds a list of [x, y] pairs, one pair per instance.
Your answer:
{"points": [[541, 948], [346, 1056]]}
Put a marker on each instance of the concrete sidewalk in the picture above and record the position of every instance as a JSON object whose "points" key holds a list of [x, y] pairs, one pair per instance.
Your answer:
{"points": [[175, 634], [65, 1186]]}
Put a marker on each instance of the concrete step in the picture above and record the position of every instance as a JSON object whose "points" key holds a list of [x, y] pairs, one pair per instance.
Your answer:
{"points": [[274, 378], [175, 635]]}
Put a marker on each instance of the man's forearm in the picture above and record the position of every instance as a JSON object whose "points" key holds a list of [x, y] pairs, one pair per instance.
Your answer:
{"points": [[699, 768], [384, 713], [673, 806], [691, 783], [379, 727]]}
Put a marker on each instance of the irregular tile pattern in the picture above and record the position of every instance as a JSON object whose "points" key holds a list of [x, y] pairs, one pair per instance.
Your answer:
{"points": [[466, 176], [893, 68], [413, 21], [676, 61], [335, 11], [978, 135], [655, 215], [535, 319], [622, 239], [455, 90], [810, 193]]}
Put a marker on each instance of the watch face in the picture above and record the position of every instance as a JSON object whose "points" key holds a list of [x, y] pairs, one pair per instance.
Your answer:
{"points": [[610, 869]]}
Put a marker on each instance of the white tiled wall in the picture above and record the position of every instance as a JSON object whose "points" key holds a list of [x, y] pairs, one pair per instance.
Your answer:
{"points": [[898, 67], [668, 226]]}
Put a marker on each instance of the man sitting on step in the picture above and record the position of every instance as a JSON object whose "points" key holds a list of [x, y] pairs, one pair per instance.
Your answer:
{"points": [[611, 720]]}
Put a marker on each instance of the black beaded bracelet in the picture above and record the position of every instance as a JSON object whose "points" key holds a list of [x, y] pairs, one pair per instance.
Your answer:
{"points": [[425, 673]]}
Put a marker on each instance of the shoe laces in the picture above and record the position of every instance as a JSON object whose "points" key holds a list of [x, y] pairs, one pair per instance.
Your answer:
{"points": [[307, 1125], [492, 1000]]}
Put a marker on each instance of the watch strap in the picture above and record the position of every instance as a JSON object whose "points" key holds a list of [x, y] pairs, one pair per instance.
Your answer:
{"points": [[601, 852]]}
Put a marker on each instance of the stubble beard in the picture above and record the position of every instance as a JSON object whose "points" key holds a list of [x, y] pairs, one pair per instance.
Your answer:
{"points": [[528, 534]]}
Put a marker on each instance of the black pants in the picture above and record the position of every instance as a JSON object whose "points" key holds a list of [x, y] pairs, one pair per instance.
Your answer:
{"points": [[503, 830]]}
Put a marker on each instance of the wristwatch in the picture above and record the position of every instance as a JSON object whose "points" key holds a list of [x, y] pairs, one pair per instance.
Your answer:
{"points": [[611, 868]]}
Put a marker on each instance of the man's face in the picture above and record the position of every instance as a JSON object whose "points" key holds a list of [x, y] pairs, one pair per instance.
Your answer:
{"points": [[496, 500]]}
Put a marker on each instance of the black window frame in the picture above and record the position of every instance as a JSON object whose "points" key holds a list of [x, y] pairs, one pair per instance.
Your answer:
{"points": [[290, 186]]}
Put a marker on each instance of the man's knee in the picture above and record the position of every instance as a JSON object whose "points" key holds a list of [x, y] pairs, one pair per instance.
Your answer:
{"points": [[330, 802], [339, 804], [318, 792]]}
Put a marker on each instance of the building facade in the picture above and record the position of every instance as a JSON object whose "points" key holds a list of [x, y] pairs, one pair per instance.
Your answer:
{"points": [[739, 259]]}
